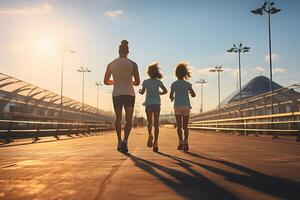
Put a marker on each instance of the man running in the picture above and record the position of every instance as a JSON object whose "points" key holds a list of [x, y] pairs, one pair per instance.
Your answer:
{"points": [[122, 70]]}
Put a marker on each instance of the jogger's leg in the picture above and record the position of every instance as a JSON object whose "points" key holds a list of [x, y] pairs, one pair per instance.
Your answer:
{"points": [[179, 126], [149, 122], [128, 122], [185, 128], [118, 121], [156, 126]]}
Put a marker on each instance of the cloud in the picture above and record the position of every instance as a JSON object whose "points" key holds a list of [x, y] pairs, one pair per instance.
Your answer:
{"points": [[203, 71], [274, 57], [114, 14], [279, 70], [260, 69], [39, 9]]}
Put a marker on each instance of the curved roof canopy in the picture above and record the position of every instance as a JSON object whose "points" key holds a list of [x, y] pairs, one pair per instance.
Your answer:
{"points": [[15, 87]]}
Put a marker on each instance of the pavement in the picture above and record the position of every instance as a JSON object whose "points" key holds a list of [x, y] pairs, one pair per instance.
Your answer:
{"points": [[89, 168]]}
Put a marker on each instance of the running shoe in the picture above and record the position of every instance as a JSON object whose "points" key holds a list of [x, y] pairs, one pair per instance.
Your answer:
{"points": [[180, 146], [185, 147], [124, 147], [155, 147], [119, 146], [149, 142]]}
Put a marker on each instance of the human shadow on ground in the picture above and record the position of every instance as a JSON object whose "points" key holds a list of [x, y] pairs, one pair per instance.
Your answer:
{"points": [[190, 184], [272, 185]]}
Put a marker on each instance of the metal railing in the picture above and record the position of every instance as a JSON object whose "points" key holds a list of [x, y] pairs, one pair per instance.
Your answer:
{"points": [[256, 115], [13, 129], [287, 124]]}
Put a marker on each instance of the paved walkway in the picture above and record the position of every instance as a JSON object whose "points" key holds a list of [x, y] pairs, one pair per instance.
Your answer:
{"points": [[217, 167]]}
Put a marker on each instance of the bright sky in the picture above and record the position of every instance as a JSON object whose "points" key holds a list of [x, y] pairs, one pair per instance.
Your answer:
{"points": [[33, 32]]}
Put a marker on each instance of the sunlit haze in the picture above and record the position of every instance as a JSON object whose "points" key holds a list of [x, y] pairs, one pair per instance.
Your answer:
{"points": [[34, 34]]}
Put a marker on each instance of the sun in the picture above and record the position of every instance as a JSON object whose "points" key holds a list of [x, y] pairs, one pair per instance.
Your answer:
{"points": [[47, 45]]}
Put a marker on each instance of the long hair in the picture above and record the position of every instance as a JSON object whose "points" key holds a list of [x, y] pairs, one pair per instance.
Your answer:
{"points": [[182, 71], [153, 71]]}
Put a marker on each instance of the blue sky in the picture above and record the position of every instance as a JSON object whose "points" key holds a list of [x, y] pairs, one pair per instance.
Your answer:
{"points": [[169, 32]]}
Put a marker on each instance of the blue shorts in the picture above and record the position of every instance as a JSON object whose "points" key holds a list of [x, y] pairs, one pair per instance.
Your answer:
{"points": [[153, 108]]}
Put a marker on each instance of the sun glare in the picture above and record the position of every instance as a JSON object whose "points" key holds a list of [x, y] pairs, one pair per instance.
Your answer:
{"points": [[47, 45]]}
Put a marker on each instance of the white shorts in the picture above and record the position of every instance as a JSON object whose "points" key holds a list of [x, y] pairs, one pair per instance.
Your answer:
{"points": [[182, 110]]}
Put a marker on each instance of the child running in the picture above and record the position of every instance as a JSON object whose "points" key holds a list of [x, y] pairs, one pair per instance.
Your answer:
{"points": [[152, 102], [181, 88]]}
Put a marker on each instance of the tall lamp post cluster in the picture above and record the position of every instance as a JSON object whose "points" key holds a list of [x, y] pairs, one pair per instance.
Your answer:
{"points": [[64, 51], [201, 82], [269, 8], [98, 84], [239, 49], [82, 70], [218, 69]]}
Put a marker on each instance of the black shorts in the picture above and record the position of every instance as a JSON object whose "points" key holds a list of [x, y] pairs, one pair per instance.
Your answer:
{"points": [[123, 100], [153, 108]]}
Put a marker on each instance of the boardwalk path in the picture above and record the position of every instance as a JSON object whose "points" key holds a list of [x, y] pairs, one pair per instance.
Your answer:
{"points": [[217, 167]]}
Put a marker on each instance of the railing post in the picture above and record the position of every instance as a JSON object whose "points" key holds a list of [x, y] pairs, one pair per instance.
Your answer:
{"points": [[296, 126], [7, 136], [298, 136], [57, 131], [275, 134], [89, 130], [69, 131], [36, 135]]}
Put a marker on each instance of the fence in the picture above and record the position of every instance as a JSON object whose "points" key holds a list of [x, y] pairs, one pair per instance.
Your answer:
{"points": [[12, 129], [275, 114]]}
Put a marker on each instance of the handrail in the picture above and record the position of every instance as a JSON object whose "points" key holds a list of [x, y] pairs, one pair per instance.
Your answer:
{"points": [[14, 129], [278, 124], [53, 123], [253, 117]]}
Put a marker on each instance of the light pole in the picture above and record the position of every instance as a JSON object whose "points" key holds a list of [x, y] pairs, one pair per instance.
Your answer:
{"points": [[64, 51], [239, 49], [218, 69], [269, 8], [83, 70], [201, 81], [98, 84]]}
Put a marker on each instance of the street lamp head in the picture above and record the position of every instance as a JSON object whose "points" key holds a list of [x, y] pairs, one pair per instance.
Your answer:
{"points": [[212, 70], [241, 44], [98, 83], [265, 4], [274, 10], [245, 50], [258, 11], [230, 50], [201, 81]]}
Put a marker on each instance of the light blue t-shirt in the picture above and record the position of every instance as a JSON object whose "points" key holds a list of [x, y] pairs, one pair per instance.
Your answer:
{"points": [[181, 88], [152, 91]]}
